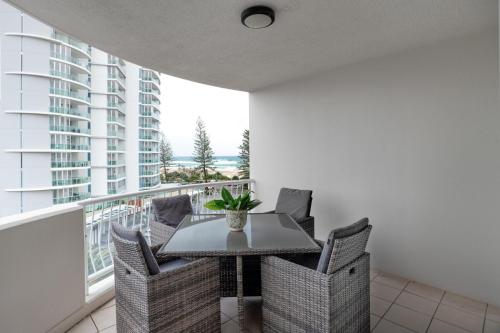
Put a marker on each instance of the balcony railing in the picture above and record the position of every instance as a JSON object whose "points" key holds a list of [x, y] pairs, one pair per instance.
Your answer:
{"points": [[76, 61], [70, 129], [119, 120], [68, 93], [117, 134], [116, 76], [116, 148], [134, 210], [71, 111], [71, 41], [71, 198], [69, 76], [116, 106], [70, 181], [69, 146], [70, 164]]}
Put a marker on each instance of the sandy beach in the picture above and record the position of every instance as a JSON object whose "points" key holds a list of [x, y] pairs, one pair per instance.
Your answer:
{"points": [[228, 172]]}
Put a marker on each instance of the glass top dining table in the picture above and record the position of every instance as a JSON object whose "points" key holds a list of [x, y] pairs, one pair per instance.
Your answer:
{"points": [[209, 235], [264, 234]]}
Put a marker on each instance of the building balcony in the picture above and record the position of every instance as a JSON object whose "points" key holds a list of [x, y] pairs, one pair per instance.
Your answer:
{"points": [[70, 111], [117, 92], [71, 94], [69, 129], [72, 198], [70, 164], [119, 78], [79, 80], [69, 146], [116, 134], [82, 64], [70, 181], [76, 44]]}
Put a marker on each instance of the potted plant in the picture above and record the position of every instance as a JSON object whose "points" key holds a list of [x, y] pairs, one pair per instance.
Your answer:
{"points": [[236, 208]]}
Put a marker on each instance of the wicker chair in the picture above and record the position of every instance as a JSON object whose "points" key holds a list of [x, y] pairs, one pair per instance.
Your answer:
{"points": [[167, 214], [174, 295], [297, 204], [297, 297]]}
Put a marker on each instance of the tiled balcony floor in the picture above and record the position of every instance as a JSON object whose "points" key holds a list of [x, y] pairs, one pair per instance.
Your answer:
{"points": [[397, 306]]}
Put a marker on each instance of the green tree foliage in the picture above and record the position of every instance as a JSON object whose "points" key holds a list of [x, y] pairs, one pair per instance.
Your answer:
{"points": [[203, 154], [244, 155], [166, 156]]}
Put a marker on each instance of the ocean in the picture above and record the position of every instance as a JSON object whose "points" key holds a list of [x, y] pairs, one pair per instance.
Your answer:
{"points": [[221, 162]]}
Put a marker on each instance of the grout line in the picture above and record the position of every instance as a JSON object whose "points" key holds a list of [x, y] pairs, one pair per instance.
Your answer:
{"points": [[394, 302], [485, 312], [434, 314], [93, 322]]}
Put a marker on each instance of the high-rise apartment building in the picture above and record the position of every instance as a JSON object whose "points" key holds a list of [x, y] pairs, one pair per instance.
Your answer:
{"points": [[75, 122]]}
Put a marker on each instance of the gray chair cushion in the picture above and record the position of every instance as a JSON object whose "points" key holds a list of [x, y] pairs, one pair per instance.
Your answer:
{"points": [[171, 211], [338, 233], [173, 264], [136, 236], [296, 203]]}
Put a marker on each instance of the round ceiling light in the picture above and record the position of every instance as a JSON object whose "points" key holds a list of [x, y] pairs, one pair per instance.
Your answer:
{"points": [[257, 17]]}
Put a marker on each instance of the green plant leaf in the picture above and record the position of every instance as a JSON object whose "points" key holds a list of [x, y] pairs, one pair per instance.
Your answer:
{"points": [[254, 203], [226, 196], [215, 205]]}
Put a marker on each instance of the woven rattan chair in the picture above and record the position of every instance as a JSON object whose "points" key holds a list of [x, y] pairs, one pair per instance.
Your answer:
{"points": [[299, 297], [174, 295], [297, 204], [167, 214]]}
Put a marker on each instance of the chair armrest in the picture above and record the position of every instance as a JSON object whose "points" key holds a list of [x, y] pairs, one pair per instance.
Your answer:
{"points": [[205, 267]]}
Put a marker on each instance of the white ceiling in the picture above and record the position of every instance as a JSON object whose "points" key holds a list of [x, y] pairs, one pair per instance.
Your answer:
{"points": [[204, 41]]}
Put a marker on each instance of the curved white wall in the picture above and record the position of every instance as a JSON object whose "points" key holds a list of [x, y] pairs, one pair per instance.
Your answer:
{"points": [[411, 141]]}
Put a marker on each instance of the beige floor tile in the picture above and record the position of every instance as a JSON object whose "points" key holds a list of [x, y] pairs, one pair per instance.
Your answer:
{"points": [[425, 291], [417, 303], [391, 280], [111, 329], [385, 326], [460, 318], [229, 306], [383, 291], [464, 303], [438, 326], [230, 327], [378, 306], [408, 318], [104, 317], [493, 313], [84, 326], [373, 321], [491, 327]]}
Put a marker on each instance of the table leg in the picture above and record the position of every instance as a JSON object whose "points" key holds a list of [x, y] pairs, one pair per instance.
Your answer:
{"points": [[241, 300]]}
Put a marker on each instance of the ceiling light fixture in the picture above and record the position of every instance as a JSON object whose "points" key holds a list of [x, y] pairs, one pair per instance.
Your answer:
{"points": [[257, 17]]}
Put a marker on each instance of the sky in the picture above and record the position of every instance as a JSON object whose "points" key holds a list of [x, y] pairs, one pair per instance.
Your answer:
{"points": [[224, 111]]}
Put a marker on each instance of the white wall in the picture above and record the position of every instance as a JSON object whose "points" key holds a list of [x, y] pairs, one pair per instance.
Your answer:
{"points": [[42, 269], [410, 140]]}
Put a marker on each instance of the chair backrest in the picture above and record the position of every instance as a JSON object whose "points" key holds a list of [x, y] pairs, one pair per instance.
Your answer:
{"points": [[294, 202], [171, 211], [132, 249], [344, 245]]}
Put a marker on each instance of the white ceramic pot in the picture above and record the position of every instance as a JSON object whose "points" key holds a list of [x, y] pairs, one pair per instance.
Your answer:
{"points": [[236, 219]]}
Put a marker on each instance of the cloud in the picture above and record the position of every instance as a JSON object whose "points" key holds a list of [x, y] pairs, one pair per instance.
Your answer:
{"points": [[224, 111]]}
